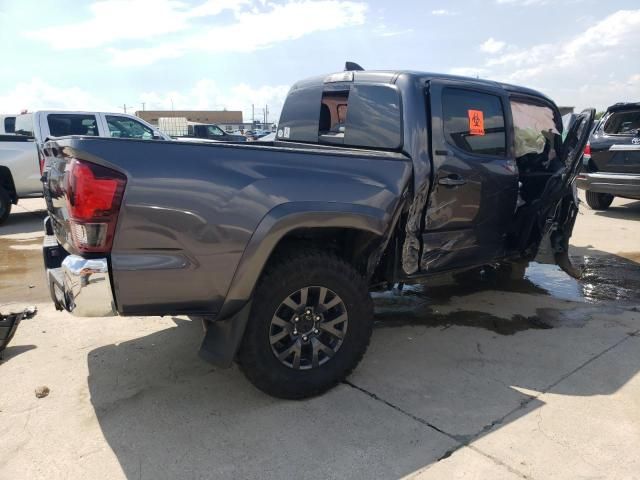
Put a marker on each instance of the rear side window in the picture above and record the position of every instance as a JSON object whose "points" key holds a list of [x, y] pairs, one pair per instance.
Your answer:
{"points": [[9, 124], [63, 124], [623, 123], [125, 127], [474, 121]]}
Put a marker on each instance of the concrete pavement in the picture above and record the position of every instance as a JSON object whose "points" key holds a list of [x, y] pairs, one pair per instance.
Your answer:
{"points": [[537, 380]]}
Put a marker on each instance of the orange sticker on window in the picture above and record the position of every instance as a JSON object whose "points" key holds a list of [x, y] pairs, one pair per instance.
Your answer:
{"points": [[476, 122]]}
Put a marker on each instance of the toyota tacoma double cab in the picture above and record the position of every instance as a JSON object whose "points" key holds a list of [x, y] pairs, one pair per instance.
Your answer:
{"points": [[611, 161], [374, 178]]}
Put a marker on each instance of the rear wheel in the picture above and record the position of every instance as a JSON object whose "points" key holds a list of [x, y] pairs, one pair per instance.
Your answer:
{"points": [[310, 325], [5, 205], [598, 201]]}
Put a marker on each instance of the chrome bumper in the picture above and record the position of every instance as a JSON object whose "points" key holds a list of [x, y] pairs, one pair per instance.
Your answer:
{"points": [[82, 287]]}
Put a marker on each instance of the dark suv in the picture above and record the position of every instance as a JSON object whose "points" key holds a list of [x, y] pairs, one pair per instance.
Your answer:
{"points": [[612, 157]]}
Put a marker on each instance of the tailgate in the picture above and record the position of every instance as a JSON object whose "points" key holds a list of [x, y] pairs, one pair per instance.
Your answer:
{"points": [[615, 147], [616, 154]]}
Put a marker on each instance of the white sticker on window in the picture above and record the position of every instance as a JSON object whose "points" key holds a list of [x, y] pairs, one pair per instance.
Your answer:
{"points": [[287, 132], [280, 133]]}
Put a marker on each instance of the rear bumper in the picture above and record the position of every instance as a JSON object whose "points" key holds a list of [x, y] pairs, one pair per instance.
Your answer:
{"points": [[79, 285], [620, 184]]}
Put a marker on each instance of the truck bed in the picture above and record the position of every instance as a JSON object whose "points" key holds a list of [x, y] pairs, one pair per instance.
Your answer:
{"points": [[191, 212]]}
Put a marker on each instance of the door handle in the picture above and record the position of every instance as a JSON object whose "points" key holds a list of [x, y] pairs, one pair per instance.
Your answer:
{"points": [[452, 180]]}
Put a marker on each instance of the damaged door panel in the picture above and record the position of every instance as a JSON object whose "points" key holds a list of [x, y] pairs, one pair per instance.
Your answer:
{"points": [[474, 186]]}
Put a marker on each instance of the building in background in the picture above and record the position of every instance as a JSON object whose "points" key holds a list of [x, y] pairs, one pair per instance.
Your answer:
{"points": [[565, 110], [229, 120]]}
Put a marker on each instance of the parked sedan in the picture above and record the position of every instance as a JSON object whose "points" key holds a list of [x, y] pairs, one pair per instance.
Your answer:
{"points": [[611, 161]]}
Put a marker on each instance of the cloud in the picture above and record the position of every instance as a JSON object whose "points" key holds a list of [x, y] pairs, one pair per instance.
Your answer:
{"points": [[37, 94], [522, 2], [206, 94], [574, 71], [173, 27], [116, 20], [383, 32], [442, 12], [468, 71], [492, 46]]}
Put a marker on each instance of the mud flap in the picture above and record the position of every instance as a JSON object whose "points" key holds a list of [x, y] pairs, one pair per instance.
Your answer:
{"points": [[222, 338], [9, 324]]}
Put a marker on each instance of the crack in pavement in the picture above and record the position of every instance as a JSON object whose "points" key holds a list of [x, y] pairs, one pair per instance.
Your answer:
{"points": [[466, 440]]}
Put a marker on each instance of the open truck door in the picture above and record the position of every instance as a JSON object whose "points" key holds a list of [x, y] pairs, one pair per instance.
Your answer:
{"points": [[559, 201]]}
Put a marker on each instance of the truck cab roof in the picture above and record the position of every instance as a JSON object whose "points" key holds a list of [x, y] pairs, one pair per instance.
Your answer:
{"points": [[392, 76]]}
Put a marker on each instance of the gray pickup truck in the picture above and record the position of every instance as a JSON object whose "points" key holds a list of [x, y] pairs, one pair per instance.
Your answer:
{"points": [[374, 178]]}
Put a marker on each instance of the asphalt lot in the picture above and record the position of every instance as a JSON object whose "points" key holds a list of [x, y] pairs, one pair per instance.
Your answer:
{"points": [[536, 379]]}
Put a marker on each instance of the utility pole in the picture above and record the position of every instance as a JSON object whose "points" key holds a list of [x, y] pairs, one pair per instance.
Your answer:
{"points": [[143, 106], [253, 114], [124, 106]]}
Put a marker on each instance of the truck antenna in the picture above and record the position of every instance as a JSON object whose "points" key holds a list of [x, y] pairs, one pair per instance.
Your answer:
{"points": [[351, 66]]}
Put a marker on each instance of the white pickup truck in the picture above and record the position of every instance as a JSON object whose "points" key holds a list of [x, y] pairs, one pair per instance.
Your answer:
{"points": [[21, 160]]}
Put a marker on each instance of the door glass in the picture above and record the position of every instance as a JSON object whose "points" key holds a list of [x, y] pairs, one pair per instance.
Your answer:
{"points": [[474, 121], [125, 127], [62, 124], [537, 140], [9, 124], [214, 130]]}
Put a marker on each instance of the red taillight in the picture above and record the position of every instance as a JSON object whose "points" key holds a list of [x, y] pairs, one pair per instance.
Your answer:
{"points": [[587, 150], [41, 160], [94, 194]]}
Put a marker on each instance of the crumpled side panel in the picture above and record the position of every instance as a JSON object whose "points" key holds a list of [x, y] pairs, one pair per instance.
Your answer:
{"points": [[445, 248], [413, 231]]}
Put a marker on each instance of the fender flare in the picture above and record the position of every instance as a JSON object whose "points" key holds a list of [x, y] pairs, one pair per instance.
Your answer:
{"points": [[223, 336], [283, 219]]}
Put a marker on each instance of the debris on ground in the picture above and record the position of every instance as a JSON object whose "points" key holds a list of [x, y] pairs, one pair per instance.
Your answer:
{"points": [[9, 324], [42, 391]]}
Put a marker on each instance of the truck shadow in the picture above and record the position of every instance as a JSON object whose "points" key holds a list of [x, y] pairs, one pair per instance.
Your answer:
{"points": [[454, 356], [23, 223], [627, 211]]}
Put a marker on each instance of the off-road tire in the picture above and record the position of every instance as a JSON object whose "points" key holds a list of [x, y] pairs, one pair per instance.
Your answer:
{"points": [[598, 201], [5, 205], [304, 269]]}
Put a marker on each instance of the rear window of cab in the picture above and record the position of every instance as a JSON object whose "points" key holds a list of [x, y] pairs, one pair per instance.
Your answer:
{"points": [[355, 115]]}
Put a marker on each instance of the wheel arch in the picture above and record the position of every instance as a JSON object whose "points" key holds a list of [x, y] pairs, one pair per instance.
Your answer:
{"points": [[6, 181], [303, 224]]}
